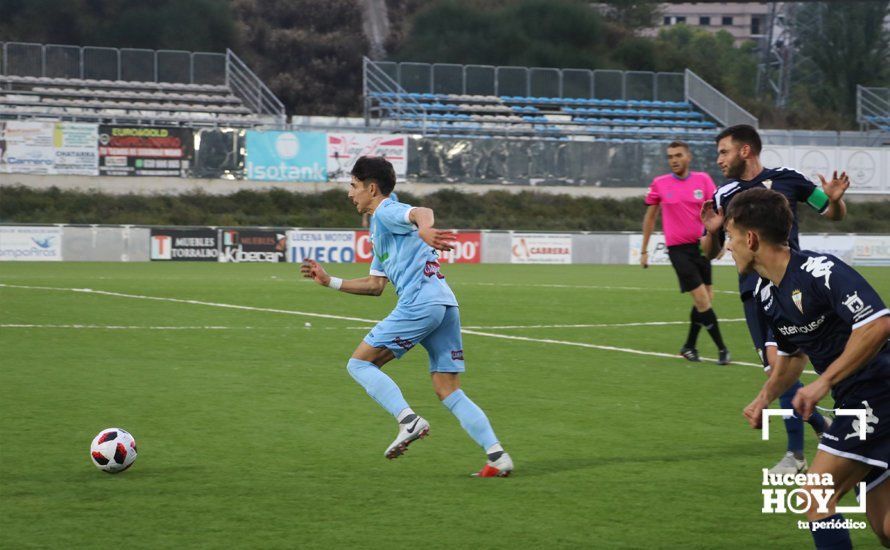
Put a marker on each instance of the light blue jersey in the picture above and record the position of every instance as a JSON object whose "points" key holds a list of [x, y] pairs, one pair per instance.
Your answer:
{"points": [[400, 255]]}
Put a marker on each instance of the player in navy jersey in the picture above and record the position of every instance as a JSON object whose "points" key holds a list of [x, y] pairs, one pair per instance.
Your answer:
{"points": [[404, 244], [818, 305], [738, 155]]}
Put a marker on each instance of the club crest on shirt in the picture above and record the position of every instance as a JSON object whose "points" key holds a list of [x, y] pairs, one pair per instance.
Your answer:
{"points": [[797, 297], [698, 194], [768, 184]]}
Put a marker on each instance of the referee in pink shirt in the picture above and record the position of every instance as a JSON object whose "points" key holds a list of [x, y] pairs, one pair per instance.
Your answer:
{"points": [[679, 195]]}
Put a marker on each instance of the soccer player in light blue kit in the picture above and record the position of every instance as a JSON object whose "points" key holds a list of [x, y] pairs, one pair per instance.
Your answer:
{"points": [[404, 244]]}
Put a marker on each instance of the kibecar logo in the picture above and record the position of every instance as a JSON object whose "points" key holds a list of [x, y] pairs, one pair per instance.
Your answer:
{"points": [[818, 266], [783, 493]]}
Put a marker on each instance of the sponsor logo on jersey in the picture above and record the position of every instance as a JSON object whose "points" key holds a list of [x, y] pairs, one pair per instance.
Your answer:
{"points": [[870, 422], [797, 298], [857, 307], [790, 330], [818, 266], [403, 342]]}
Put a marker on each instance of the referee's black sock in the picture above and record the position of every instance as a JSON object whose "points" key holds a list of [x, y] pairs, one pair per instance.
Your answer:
{"points": [[694, 327], [708, 319]]}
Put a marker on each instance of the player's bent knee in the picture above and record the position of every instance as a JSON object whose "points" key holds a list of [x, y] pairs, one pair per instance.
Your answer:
{"points": [[444, 384]]}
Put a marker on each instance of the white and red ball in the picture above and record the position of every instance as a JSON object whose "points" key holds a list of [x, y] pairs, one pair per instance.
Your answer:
{"points": [[113, 450]]}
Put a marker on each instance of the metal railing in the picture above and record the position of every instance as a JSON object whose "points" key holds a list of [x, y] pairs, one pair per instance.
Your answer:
{"points": [[873, 107], [140, 65], [708, 99], [446, 78], [382, 93], [251, 90], [123, 64]]}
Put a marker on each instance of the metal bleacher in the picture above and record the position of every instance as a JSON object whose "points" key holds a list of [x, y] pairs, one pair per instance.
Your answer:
{"points": [[873, 110], [145, 87], [543, 103]]}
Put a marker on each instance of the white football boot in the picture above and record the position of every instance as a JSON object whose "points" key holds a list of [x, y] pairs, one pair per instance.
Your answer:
{"points": [[410, 429], [789, 465], [500, 467]]}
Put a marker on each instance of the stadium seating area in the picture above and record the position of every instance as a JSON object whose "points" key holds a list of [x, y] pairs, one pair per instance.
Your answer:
{"points": [[115, 101], [543, 117], [881, 122]]}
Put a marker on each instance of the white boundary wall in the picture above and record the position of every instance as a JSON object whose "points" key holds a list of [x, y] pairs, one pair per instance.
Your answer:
{"points": [[129, 243]]}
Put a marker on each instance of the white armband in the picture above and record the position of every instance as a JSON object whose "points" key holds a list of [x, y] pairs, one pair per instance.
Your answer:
{"points": [[335, 283]]}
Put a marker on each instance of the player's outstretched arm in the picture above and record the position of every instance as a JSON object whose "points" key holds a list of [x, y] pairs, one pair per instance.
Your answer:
{"points": [[366, 286], [424, 219], [835, 190], [783, 375], [864, 343]]}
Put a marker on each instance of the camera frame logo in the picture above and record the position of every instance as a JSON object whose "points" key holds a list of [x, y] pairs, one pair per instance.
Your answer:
{"points": [[782, 493]]}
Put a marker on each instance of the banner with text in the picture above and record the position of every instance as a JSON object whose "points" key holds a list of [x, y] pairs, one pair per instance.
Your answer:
{"points": [[145, 151], [253, 245], [321, 246], [75, 148], [537, 248], [27, 147], [345, 149], [658, 252], [182, 245], [872, 250], [30, 244], [286, 156]]}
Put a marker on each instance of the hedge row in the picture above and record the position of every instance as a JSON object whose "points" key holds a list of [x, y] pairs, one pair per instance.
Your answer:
{"points": [[493, 210]]}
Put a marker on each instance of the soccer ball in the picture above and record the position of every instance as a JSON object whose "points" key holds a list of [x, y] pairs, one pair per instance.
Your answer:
{"points": [[113, 450]]}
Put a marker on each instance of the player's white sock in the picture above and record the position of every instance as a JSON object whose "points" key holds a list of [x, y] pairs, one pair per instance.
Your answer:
{"points": [[494, 449], [405, 413]]}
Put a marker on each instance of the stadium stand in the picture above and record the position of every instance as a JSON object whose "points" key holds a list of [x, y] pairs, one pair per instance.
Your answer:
{"points": [[873, 109], [413, 104], [101, 85]]}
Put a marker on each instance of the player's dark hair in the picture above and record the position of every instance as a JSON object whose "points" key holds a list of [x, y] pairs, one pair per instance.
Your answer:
{"points": [[377, 170], [764, 211], [682, 144], [744, 134]]}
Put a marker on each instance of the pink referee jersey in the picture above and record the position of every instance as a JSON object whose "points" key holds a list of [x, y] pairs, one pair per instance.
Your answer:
{"points": [[681, 201]]}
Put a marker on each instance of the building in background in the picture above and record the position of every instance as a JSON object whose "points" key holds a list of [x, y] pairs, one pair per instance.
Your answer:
{"points": [[743, 20]]}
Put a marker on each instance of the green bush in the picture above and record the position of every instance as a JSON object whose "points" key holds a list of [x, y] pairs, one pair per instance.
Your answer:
{"points": [[496, 209]]}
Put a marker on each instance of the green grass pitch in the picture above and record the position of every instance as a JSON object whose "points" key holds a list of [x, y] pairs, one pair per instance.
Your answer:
{"points": [[255, 436]]}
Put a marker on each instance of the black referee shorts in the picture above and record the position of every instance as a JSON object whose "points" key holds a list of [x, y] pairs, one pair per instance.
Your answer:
{"points": [[693, 269]]}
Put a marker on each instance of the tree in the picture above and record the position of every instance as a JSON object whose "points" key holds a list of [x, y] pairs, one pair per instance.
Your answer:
{"points": [[556, 33], [845, 44], [309, 52], [192, 25]]}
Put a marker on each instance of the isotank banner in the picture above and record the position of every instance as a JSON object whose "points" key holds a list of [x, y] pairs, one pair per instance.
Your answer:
{"points": [[286, 156]]}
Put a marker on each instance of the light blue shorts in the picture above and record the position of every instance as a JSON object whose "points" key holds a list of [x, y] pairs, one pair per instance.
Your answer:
{"points": [[436, 328]]}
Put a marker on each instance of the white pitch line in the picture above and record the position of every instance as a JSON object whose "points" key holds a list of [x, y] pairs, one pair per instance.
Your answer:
{"points": [[599, 325], [122, 327], [361, 320], [195, 302], [595, 287], [139, 327]]}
